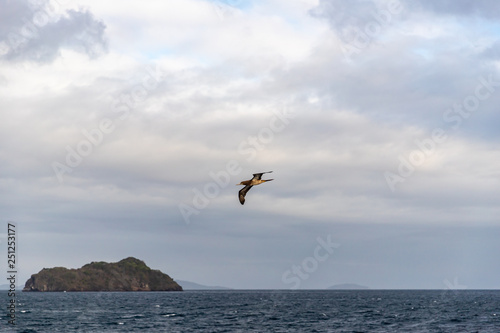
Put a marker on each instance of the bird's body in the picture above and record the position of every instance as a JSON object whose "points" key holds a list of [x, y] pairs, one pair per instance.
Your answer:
{"points": [[256, 180]]}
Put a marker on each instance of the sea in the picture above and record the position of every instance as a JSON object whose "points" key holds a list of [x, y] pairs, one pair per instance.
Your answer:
{"points": [[257, 311]]}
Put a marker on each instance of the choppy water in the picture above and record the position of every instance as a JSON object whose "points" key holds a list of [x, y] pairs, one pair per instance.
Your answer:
{"points": [[259, 311]]}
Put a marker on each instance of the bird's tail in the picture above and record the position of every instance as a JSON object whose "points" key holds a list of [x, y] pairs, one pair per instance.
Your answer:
{"points": [[268, 180]]}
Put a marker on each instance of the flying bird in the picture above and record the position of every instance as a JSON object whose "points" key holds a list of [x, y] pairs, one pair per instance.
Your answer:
{"points": [[256, 180]]}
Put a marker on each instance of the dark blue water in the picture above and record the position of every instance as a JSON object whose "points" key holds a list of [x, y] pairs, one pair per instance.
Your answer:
{"points": [[258, 311]]}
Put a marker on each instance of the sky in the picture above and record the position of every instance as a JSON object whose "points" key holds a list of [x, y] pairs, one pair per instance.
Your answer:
{"points": [[125, 127]]}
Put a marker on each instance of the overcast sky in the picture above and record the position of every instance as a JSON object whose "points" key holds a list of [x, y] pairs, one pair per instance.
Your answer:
{"points": [[125, 127]]}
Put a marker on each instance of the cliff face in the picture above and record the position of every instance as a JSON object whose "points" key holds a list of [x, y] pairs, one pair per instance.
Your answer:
{"points": [[129, 274]]}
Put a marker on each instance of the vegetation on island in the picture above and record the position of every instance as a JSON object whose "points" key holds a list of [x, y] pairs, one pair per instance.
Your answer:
{"points": [[129, 274]]}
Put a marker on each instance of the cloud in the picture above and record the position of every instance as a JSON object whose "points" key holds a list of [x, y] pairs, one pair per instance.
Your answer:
{"points": [[345, 16], [462, 8], [37, 32], [187, 91], [411, 70]]}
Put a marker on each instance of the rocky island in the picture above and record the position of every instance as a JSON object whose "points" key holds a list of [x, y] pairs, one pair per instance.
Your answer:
{"points": [[129, 274]]}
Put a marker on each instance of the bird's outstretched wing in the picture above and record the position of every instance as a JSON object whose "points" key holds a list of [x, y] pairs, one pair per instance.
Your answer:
{"points": [[258, 176], [243, 192]]}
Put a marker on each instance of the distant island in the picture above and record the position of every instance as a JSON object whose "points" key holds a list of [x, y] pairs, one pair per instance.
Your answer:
{"points": [[187, 285], [129, 274], [347, 286]]}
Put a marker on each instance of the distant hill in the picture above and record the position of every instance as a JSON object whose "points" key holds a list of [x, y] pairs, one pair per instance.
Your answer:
{"points": [[348, 286], [129, 274], [186, 285]]}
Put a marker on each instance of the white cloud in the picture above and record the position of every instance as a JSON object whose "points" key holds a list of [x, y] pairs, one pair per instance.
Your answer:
{"points": [[198, 85]]}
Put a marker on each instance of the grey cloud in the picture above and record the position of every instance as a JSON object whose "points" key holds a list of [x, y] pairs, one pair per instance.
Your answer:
{"points": [[345, 17], [11, 14], [480, 8], [413, 79], [125, 194], [30, 32], [492, 52]]}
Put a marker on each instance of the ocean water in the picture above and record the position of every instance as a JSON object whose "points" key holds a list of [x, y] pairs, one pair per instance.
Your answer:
{"points": [[258, 311]]}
